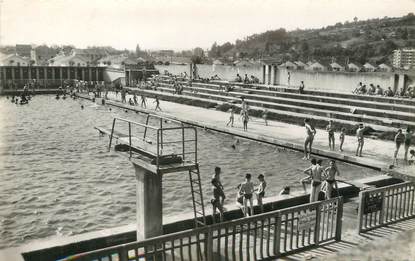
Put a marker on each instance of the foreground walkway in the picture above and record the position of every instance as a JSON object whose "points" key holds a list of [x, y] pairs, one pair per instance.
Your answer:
{"points": [[376, 153]]}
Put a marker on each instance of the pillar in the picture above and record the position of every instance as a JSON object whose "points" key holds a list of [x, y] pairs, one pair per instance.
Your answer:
{"points": [[263, 73], [149, 203], [89, 74], [272, 75], [96, 74], [269, 74], [83, 74]]}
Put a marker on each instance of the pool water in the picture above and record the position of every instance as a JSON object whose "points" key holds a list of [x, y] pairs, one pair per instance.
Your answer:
{"points": [[57, 177]]}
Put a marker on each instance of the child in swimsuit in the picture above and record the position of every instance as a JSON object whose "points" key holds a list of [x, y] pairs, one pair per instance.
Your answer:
{"points": [[330, 175], [247, 189], [330, 131], [231, 117], [341, 137]]}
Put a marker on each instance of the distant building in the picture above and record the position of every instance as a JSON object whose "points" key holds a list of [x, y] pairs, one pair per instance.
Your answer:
{"points": [[42, 54], [68, 60], [23, 50], [116, 61], [404, 58], [301, 65], [354, 67], [336, 67], [14, 60], [317, 66], [90, 55], [384, 67], [368, 67], [289, 65]]}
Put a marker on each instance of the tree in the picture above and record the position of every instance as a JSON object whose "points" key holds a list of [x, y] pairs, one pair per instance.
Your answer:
{"points": [[137, 50]]}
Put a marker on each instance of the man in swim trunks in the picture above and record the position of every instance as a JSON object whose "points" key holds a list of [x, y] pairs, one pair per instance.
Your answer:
{"points": [[407, 142], [247, 189], [342, 137], [310, 132], [260, 191], [330, 176], [330, 131], [308, 171], [216, 176], [360, 140], [217, 200], [316, 178], [399, 139]]}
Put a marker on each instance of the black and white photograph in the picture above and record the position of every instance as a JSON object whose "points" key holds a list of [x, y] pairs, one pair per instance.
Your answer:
{"points": [[207, 130]]}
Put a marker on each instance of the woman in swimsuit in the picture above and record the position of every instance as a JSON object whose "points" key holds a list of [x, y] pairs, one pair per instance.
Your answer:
{"points": [[247, 189]]}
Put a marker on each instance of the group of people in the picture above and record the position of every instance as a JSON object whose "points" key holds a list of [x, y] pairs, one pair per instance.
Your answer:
{"points": [[246, 79], [361, 88], [134, 101]]}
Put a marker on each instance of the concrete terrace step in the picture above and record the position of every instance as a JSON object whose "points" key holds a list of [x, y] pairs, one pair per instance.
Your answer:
{"points": [[398, 115], [380, 122], [293, 93], [281, 115]]}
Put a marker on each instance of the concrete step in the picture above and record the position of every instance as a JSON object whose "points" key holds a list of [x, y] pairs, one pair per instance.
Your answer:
{"points": [[275, 91], [311, 112], [392, 115], [280, 115]]}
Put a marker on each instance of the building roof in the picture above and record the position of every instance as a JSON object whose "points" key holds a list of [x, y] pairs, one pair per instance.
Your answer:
{"points": [[65, 59], [385, 65], [367, 64], [300, 63], [354, 64], [117, 59], [23, 49], [13, 56]]}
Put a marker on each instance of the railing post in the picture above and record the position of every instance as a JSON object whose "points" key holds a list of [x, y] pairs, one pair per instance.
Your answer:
{"points": [[360, 211], [145, 129], [209, 244], [123, 254], [183, 144], [317, 226], [278, 235], [339, 219], [112, 131], [382, 210]]}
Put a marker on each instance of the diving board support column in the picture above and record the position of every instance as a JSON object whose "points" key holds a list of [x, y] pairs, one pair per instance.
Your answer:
{"points": [[149, 203]]}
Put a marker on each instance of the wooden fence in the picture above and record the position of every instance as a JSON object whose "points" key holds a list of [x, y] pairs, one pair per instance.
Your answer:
{"points": [[264, 236], [382, 206]]}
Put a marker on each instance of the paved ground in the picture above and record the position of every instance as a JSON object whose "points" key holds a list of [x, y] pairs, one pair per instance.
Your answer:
{"points": [[376, 152]]}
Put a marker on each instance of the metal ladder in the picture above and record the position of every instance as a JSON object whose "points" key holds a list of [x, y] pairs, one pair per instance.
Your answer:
{"points": [[197, 197]]}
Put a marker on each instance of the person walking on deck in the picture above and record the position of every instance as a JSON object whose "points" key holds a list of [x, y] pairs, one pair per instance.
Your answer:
{"points": [[245, 119], [247, 189], [143, 101], [330, 131], [260, 191], [231, 117], [408, 138], [399, 139], [330, 178], [308, 143], [217, 200], [301, 88], [265, 116], [342, 137], [157, 102], [360, 140], [135, 99]]}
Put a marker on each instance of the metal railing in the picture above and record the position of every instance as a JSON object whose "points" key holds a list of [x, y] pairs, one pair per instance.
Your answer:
{"points": [[168, 140], [264, 236], [386, 205]]}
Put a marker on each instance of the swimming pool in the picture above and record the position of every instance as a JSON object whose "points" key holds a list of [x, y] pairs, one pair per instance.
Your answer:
{"points": [[58, 178]]}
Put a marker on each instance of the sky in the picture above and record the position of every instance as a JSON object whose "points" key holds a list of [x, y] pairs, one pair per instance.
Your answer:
{"points": [[174, 24]]}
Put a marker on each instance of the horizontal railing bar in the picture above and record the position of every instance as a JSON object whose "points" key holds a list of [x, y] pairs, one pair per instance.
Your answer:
{"points": [[137, 123], [391, 187]]}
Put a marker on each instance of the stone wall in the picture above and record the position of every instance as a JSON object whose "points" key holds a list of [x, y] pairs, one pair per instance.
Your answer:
{"points": [[334, 81]]}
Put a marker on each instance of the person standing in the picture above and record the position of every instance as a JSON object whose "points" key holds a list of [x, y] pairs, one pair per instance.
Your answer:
{"points": [[308, 143], [157, 102], [316, 177], [342, 137], [289, 79], [308, 171], [260, 191], [231, 117], [143, 101], [247, 189], [330, 131], [245, 119], [399, 139], [408, 138], [360, 140], [301, 88], [265, 116], [330, 175], [217, 200]]}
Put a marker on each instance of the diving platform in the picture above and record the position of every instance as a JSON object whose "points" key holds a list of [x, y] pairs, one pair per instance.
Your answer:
{"points": [[156, 147]]}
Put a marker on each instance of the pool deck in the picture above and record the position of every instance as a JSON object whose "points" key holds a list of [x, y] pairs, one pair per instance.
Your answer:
{"points": [[377, 154]]}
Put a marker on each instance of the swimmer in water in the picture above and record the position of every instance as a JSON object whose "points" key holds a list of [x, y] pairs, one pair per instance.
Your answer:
{"points": [[285, 191]]}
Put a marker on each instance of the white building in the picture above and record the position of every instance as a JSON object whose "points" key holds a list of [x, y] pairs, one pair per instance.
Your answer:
{"points": [[68, 60], [384, 68], [369, 67], [404, 58], [14, 60], [317, 66]]}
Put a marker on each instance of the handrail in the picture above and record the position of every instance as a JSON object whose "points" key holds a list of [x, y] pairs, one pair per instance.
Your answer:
{"points": [[264, 225]]}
